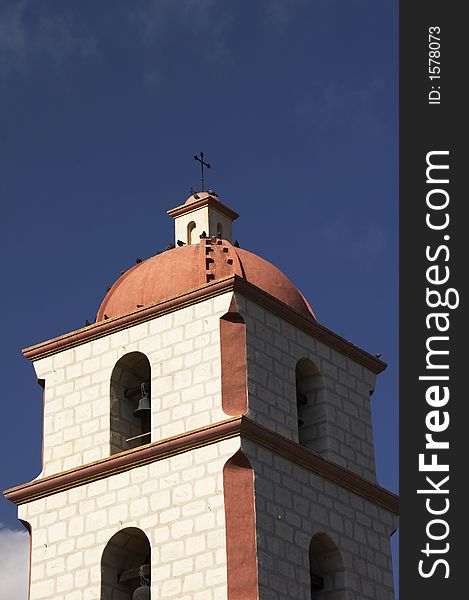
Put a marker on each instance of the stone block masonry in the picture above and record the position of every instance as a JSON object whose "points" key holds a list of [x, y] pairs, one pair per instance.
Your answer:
{"points": [[292, 505], [178, 503], [183, 348], [274, 348], [248, 470]]}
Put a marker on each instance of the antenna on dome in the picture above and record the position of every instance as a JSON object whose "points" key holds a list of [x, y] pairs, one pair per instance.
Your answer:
{"points": [[202, 165]]}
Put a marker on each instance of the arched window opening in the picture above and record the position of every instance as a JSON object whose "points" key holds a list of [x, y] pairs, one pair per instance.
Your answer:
{"points": [[310, 403], [326, 569], [219, 230], [130, 402], [190, 232], [126, 566]]}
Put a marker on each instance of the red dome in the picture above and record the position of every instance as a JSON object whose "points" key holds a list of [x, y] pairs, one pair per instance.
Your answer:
{"points": [[193, 199], [183, 269]]}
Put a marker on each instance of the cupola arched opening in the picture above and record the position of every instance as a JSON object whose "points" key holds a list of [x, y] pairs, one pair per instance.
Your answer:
{"points": [[311, 406], [190, 232], [326, 567], [126, 566], [219, 230], [130, 402]]}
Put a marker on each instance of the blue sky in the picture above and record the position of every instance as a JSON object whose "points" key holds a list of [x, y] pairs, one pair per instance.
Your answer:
{"points": [[103, 104]]}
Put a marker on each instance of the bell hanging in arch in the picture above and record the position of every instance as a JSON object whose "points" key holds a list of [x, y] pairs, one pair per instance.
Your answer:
{"points": [[143, 409], [143, 590]]}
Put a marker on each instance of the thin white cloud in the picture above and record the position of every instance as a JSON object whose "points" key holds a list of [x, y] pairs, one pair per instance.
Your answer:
{"points": [[14, 563], [28, 35], [206, 23], [362, 245], [154, 16], [279, 13], [209, 20], [371, 244], [332, 104]]}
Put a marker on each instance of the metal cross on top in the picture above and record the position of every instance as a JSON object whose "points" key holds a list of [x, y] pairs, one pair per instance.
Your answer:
{"points": [[202, 165]]}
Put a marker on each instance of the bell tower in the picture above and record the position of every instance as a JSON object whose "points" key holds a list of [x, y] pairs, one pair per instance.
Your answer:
{"points": [[202, 213], [206, 439]]}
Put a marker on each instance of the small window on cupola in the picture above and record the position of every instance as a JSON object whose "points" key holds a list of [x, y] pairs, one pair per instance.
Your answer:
{"points": [[190, 232], [130, 402], [219, 230]]}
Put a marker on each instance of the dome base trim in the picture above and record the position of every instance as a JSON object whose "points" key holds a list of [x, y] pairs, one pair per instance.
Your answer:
{"points": [[233, 283]]}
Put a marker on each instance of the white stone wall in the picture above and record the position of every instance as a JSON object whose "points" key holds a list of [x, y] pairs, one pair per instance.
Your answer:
{"points": [[273, 348], [294, 504], [183, 348], [205, 219], [216, 218], [177, 502], [199, 217]]}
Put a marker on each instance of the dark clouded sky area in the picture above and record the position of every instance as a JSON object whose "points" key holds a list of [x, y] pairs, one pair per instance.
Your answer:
{"points": [[103, 104]]}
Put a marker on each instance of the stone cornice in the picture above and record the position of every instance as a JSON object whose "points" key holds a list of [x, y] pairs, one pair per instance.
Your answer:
{"points": [[236, 427], [108, 326], [309, 326], [216, 204], [320, 465], [233, 283]]}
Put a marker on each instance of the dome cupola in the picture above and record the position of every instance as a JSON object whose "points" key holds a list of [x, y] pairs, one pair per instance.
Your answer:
{"points": [[202, 213], [203, 253]]}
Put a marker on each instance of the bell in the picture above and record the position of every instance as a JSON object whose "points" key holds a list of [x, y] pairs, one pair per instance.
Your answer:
{"points": [[143, 409], [143, 590], [141, 593]]}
